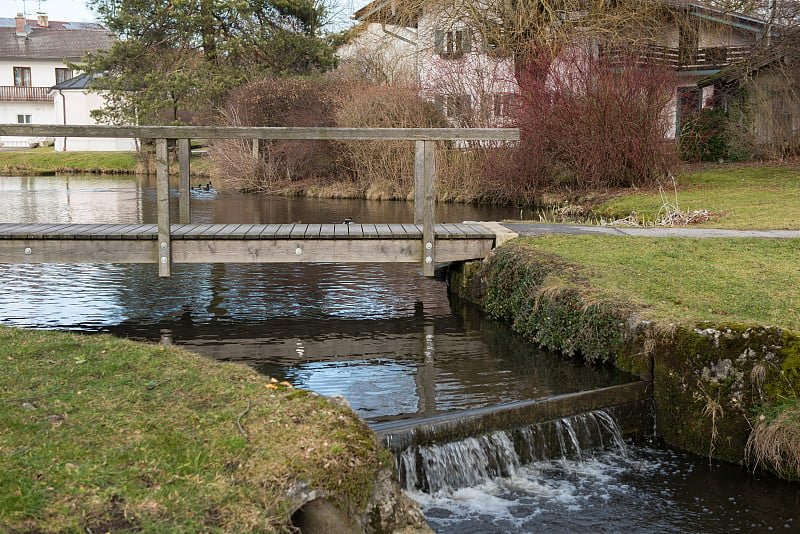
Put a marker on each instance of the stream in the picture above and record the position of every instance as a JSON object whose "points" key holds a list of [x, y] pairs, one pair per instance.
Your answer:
{"points": [[392, 342]]}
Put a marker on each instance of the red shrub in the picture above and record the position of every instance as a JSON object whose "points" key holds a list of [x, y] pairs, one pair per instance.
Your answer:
{"points": [[587, 122]]}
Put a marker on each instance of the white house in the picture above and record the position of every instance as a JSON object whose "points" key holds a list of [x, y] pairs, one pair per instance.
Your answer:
{"points": [[33, 56], [433, 41], [433, 49], [73, 103]]}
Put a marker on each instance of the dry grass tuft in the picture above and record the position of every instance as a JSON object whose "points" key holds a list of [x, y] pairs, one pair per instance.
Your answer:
{"points": [[775, 442], [712, 410]]}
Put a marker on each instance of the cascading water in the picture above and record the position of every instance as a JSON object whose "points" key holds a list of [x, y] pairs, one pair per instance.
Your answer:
{"points": [[470, 462]]}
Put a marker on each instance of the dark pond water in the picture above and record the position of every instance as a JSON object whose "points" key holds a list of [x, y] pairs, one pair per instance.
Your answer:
{"points": [[386, 338]]}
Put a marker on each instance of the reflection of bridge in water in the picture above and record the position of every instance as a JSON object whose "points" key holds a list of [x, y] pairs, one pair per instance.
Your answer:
{"points": [[409, 367], [165, 243]]}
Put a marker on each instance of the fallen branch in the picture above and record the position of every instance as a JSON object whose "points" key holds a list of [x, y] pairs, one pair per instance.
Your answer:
{"points": [[239, 420]]}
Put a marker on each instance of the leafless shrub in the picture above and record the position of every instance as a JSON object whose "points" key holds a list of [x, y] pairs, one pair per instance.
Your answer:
{"points": [[587, 123], [281, 164], [459, 174], [383, 169]]}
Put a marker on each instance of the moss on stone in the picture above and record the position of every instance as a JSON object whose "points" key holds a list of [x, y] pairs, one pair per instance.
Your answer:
{"points": [[708, 379], [541, 297]]}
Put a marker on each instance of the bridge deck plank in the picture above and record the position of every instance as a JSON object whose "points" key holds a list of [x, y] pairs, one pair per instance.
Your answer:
{"points": [[284, 231], [355, 231], [47, 231], [269, 230], [339, 231], [475, 230], [104, 231], [197, 231], [327, 231], [397, 231], [180, 231], [369, 231], [229, 231], [31, 230], [253, 231], [298, 231]]}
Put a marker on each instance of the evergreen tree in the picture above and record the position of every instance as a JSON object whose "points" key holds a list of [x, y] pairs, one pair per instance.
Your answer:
{"points": [[177, 57]]}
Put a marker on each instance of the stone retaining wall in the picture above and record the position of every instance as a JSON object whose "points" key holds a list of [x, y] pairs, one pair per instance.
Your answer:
{"points": [[709, 381]]}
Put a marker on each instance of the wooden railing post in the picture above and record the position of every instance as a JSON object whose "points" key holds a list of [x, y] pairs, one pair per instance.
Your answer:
{"points": [[419, 180], [256, 148], [162, 207], [427, 155], [184, 200]]}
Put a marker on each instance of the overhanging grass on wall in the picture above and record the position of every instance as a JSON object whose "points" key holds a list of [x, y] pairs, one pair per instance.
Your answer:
{"points": [[544, 298], [99, 434]]}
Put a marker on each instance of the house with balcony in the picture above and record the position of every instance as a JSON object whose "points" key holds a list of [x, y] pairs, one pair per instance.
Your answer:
{"points": [[435, 46], [33, 59], [431, 47]]}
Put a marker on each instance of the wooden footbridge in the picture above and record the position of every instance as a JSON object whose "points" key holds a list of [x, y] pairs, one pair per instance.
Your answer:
{"points": [[166, 243]]}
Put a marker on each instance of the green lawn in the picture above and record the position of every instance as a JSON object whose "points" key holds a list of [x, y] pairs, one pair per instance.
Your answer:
{"points": [[99, 434], [47, 160], [744, 197], [690, 280]]}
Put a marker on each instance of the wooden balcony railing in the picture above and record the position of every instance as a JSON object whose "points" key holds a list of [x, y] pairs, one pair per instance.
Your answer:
{"points": [[706, 58], [11, 93]]}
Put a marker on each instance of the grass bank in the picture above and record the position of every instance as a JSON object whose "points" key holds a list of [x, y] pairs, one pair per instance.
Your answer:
{"points": [[45, 160], [99, 434], [680, 280], [739, 197]]}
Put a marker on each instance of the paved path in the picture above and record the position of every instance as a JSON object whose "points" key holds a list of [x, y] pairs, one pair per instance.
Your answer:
{"points": [[530, 229]]}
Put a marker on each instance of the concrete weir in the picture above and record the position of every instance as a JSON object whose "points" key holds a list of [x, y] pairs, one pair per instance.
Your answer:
{"points": [[630, 404]]}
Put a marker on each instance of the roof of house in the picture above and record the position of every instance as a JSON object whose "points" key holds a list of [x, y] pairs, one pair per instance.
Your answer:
{"points": [[59, 40], [406, 12], [399, 12], [76, 82]]}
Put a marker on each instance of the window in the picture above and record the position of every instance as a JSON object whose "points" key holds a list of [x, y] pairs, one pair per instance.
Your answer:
{"points": [[62, 75], [454, 106], [452, 44], [23, 119], [503, 103], [688, 105], [22, 76]]}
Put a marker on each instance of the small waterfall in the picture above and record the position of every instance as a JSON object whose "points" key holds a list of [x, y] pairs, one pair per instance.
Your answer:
{"points": [[471, 461]]}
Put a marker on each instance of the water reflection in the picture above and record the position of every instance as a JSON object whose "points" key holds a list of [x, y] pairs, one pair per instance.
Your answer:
{"points": [[132, 199], [381, 335], [395, 350]]}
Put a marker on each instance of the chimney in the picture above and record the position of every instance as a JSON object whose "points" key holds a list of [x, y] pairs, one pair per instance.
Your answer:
{"points": [[20, 24], [44, 22]]}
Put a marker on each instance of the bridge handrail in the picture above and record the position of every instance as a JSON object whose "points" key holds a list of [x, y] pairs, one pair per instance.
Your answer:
{"points": [[424, 161], [252, 132]]}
